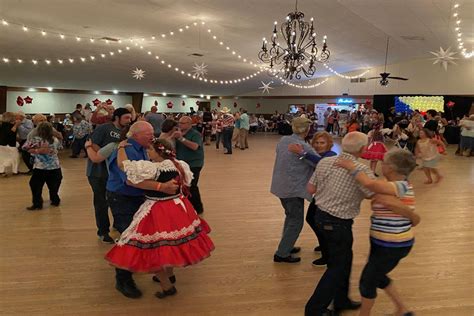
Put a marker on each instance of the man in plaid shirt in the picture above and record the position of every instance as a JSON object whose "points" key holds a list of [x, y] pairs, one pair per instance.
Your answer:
{"points": [[338, 197]]}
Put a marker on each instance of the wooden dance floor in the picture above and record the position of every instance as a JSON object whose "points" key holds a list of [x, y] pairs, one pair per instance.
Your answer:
{"points": [[52, 262]]}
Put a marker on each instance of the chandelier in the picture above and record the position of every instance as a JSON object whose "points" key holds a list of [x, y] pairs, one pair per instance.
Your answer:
{"points": [[300, 53]]}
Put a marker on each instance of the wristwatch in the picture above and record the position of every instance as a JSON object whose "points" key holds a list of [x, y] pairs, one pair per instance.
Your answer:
{"points": [[182, 139]]}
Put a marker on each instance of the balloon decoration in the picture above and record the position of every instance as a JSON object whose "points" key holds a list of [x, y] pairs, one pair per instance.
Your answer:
{"points": [[28, 100], [169, 105], [197, 102], [235, 104], [450, 104], [96, 102], [109, 102], [258, 105], [155, 103], [420, 103], [20, 101], [218, 104], [183, 103]]}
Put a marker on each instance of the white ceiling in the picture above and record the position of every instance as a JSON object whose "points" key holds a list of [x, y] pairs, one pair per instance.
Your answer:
{"points": [[356, 30]]}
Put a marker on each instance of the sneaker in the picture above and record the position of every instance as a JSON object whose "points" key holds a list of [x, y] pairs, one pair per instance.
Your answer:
{"points": [[320, 262], [128, 288], [106, 239]]}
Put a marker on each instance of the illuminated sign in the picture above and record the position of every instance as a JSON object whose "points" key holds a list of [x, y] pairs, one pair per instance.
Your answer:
{"points": [[345, 101]]}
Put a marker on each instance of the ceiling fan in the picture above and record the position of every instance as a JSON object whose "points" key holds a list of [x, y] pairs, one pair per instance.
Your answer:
{"points": [[384, 76]]}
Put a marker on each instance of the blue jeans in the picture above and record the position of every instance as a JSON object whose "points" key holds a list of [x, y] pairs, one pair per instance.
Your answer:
{"points": [[381, 261], [227, 138], [294, 220], [334, 284], [219, 138], [123, 208], [100, 204]]}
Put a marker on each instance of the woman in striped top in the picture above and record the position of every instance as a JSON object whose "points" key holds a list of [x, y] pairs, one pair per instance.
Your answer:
{"points": [[391, 233]]}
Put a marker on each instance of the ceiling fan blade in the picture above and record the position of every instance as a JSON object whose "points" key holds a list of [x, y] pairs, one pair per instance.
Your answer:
{"points": [[372, 78], [398, 78]]}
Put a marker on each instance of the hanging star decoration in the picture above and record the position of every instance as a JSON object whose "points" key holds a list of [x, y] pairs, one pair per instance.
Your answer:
{"points": [[444, 57], [266, 87], [199, 70], [138, 74]]}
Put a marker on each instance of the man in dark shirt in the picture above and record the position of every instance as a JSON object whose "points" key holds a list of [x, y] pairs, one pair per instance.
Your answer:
{"points": [[97, 172], [431, 123], [189, 149], [125, 200]]}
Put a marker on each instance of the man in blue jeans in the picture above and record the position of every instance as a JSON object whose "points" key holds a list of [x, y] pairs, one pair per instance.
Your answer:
{"points": [[125, 200], [290, 176]]}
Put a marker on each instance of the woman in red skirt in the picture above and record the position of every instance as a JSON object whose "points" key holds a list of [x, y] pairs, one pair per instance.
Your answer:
{"points": [[376, 149], [166, 231]]}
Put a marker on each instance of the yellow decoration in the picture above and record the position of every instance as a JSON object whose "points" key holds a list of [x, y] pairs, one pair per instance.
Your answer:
{"points": [[424, 103]]}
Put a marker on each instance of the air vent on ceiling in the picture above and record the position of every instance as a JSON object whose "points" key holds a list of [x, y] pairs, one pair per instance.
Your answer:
{"points": [[357, 80], [412, 38], [196, 54], [111, 39]]}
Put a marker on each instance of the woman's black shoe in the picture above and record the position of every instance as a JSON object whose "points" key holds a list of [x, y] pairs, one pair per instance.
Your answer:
{"points": [[172, 279], [166, 293], [320, 262]]}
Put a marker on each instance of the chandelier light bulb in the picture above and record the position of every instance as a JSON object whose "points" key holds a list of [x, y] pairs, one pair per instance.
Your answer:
{"points": [[71, 60], [115, 91], [455, 14], [195, 23], [49, 89], [20, 61], [202, 23], [6, 60], [34, 61], [83, 59], [48, 61], [171, 33], [187, 26], [60, 61], [61, 36], [127, 48], [180, 30], [458, 22], [164, 94], [456, 5], [25, 28], [163, 35], [78, 38], [4, 22], [43, 33], [92, 57], [459, 34], [91, 40]]}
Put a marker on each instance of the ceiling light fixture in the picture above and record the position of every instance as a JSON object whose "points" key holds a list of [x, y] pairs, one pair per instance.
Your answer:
{"points": [[300, 38]]}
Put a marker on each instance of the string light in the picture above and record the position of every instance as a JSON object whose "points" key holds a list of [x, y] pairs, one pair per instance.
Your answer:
{"points": [[458, 29], [344, 76], [294, 85]]}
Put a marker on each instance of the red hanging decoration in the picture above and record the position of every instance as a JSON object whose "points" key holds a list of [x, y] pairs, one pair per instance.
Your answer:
{"points": [[96, 102], [258, 105], [155, 103], [28, 100], [450, 104], [19, 101], [183, 103], [218, 104], [197, 102], [109, 102], [235, 104], [169, 105]]}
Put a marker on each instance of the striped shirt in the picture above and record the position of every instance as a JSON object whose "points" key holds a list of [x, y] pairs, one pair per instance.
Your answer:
{"points": [[227, 120], [389, 229]]}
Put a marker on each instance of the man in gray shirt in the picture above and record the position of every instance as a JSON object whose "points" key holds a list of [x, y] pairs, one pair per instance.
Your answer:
{"points": [[290, 176], [155, 119]]}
